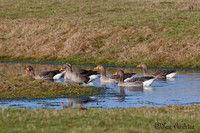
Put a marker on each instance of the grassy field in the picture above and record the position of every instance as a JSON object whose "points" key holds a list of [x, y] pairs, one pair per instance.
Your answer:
{"points": [[121, 32], [23, 86], [142, 119]]}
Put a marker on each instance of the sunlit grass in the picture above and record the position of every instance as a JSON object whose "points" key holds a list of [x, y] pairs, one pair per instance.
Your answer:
{"points": [[140, 119], [23, 86]]}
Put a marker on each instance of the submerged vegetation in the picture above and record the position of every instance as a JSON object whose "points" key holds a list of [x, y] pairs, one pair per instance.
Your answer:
{"points": [[141, 119], [128, 32], [23, 86]]}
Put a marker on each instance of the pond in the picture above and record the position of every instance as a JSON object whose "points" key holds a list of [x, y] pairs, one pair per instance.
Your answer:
{"points": [[183, 89]]}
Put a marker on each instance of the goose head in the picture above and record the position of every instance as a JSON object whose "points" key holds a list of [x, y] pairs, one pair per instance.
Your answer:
{"points": [[120, 73], [29, 68], [100, 67], [143, 65], [66, 66]]}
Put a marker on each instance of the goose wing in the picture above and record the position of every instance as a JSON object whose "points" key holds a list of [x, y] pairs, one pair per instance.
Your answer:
{"points": [[49, 73], [163, 72], [141, 79], [126, 75], [85, 72]]}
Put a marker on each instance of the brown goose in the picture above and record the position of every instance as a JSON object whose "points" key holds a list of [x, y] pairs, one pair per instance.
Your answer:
{"points": [[44, 75], [71, 82], [140, 81], [75, 76], [92, 74], [112, 79], [162, 74]]}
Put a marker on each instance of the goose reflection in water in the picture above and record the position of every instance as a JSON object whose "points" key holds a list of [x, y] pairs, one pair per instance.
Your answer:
{"points": [[79, 102], [121, 97]]}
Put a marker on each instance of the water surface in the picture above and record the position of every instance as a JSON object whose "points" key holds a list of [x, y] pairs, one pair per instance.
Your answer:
{"points": [[183, 89]]}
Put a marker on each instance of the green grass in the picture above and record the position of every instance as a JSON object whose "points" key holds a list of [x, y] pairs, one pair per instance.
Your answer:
{"points": [[23, 86], [140, 119], [160, 33]]}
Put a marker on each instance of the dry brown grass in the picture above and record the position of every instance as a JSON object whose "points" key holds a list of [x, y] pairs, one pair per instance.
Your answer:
{"points": [[162, 32]]}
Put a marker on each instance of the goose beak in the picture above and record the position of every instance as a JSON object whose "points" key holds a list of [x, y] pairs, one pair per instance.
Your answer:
{"points": [[62, 105], [27, 69], [96, 67], [115, 73], [61, 69], [139, 65]]}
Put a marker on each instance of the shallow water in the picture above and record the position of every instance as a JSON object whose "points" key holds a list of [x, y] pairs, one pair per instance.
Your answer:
{"points": [[183, 89]]}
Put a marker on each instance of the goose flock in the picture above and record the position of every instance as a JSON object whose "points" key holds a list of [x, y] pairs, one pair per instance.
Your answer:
{"points": [[81, 76]]}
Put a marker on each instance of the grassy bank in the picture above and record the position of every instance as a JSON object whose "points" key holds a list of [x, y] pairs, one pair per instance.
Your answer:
{"points": [[141, 119], [158, 32], [23, 86]]}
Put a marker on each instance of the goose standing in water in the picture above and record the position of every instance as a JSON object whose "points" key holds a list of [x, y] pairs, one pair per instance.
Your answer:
{"points": [[112, 79], [134, 82], [44, 75], [161, 74]]}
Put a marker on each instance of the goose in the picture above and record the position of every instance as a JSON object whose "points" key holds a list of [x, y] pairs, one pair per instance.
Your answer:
{"points": [[112, 79], [134, 82], [71, 82], [44, 75], [92, 74], [79, 77], [161, 74]]}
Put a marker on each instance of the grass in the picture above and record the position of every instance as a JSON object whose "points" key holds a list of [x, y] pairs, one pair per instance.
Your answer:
{"points": [[23, 86], [128, 32], [140, 119]]}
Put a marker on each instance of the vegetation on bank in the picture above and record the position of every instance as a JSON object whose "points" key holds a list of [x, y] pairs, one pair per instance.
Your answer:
{"points": [[128, 32], [23, 86], [141, 119]]}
